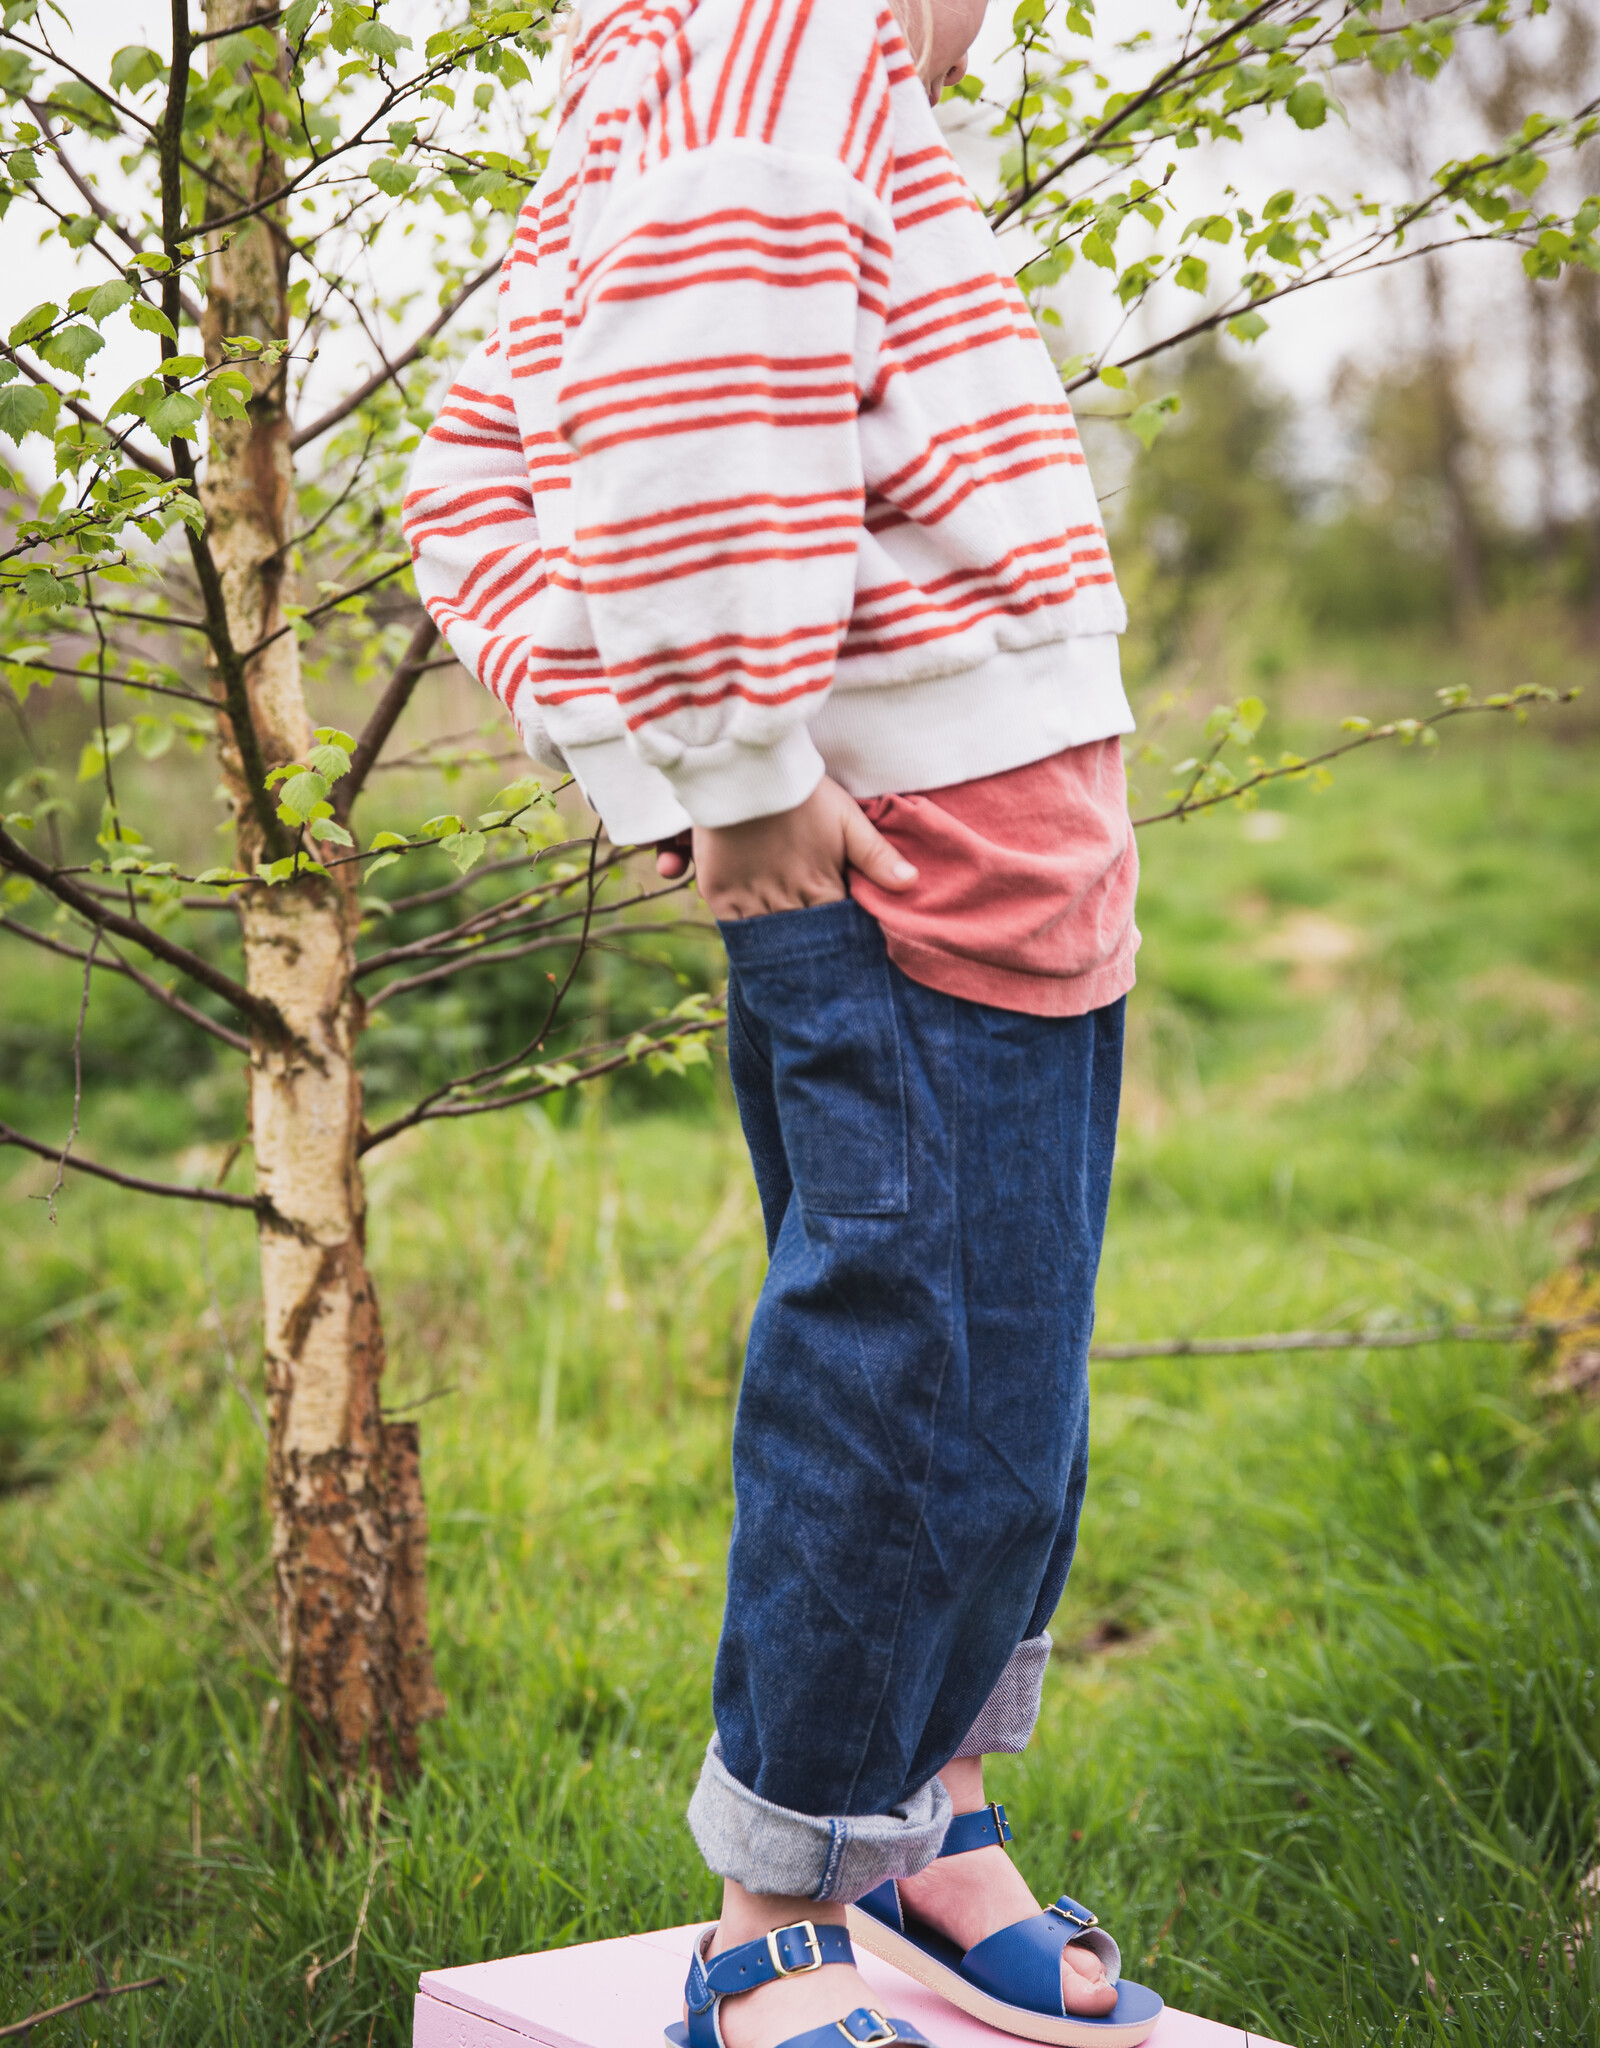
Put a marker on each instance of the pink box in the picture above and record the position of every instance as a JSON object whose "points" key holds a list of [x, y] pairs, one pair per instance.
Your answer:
{"points": [[620, 1994]]}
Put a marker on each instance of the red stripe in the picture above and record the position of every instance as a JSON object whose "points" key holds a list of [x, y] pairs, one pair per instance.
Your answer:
{"points": [[786, 69], [702, 366], [726, 79], [732, 558], [710, 505], [708, 423], [863, 86], [683, 703], [691, 134], [747, 100], [703, 537], [744, 274], [706, 395]]}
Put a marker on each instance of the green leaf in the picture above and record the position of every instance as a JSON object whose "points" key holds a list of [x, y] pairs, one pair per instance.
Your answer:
{"points": [[301, 794], [1247, 327], [384, 839], [1192, 274], [380, 41], [298, 19], [1116, 378], [69, 348], [331, 736], [34, 322], [329, 761], [47, 593], [150, 319], [134, 68], [465, 849], [1098, 250], [391, 177], [329, 829], [26, 409], [107, 299], [384, 860], [442, 827], [229, 394], [23, 165], [97, 751], [177, 413], [213, 877], [1307, 105], [1149, 419]]}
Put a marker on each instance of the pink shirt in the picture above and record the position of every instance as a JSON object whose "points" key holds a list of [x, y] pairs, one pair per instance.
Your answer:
{"points": [[1026, 883]]}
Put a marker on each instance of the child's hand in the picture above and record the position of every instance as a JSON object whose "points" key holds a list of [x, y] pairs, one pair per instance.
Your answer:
{"points": [[795, 858]]}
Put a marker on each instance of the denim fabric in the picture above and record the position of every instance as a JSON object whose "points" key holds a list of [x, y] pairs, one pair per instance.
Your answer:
{"points": [[1006, 1719], [911, 1443]]}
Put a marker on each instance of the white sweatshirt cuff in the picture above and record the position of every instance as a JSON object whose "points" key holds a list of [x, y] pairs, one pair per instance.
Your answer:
{"points": [[635, 802], [729, 782]]}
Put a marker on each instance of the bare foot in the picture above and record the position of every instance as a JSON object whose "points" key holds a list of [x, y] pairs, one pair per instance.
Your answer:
{"points": [[791, 2005], [972, 1896]]}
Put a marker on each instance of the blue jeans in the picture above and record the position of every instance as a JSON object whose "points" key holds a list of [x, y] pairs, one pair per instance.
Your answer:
{"points": [[911, 1444]]}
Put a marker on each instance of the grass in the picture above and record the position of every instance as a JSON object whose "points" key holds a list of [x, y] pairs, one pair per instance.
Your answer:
{"points": [[1321, 1741]]}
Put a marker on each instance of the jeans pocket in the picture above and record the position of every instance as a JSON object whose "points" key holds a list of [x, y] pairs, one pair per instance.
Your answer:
{"points": [[815, 986]]}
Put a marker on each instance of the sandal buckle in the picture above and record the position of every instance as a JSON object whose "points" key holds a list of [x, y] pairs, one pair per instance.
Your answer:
{"points": [[808, 1933], [1084, 1919], [884, 2031], [1002, 1827]]}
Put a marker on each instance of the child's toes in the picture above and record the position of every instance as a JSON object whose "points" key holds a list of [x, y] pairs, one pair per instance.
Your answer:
{"points": [[1085, 1988]]}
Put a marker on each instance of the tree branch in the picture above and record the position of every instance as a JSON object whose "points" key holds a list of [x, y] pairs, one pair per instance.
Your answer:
{"points": [[117, 965], [390, 371], [263, 1014], [95, 1997], [94, 202], [151, 464], [375, 734], [1172, 75], [77, 675], [175, 1189], [1519, 700], [433, 1107], [1343, 1340]]}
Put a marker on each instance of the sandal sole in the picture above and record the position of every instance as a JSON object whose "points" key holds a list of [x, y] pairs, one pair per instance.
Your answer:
{"points": [[1072, 2030]]}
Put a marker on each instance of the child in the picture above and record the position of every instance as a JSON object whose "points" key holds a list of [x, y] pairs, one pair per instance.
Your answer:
{"points": [[763, 513]]}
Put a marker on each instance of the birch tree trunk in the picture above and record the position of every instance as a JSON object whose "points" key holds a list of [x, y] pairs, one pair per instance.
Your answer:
{"points": [[349, 1532]]}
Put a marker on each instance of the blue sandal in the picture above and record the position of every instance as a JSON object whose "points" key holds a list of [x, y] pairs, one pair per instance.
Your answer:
{"points": [[786, 1952], [1013, 1979]]}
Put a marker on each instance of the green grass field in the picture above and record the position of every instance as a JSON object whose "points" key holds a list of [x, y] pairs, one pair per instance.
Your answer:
{"points": [[1322, 1741]]}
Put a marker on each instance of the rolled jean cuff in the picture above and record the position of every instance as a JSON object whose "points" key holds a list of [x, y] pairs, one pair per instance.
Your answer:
{"points": [[772, 1849], [1006, 1719]]}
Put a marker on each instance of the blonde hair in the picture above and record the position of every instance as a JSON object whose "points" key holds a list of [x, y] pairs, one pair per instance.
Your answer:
{"points": [[916, 25]]}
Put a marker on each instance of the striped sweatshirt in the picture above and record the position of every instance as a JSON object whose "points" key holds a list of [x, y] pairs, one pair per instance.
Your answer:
{"points": [[764, 470]]}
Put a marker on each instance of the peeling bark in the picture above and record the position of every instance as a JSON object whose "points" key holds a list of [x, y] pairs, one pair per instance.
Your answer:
{"points": [[349, 1531]]}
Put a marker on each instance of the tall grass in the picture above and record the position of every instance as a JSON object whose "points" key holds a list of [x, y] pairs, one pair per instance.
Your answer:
{"points": [[1325, 1699]]}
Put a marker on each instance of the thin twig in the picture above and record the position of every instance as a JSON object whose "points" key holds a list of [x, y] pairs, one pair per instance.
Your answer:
{"points": [[1344, 1340], [229, 1368], [390, 371], [223, 1200], [77, 1077], [375, 733], [95, 1997], [259, 1009]]}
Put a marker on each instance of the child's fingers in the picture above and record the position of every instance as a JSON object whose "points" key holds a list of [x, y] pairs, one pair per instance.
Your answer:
{"points": [[672, 857], [866, 849]]}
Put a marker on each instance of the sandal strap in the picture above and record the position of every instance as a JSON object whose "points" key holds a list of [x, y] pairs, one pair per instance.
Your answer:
{"points": [[981, 1830], [863, 2028], [1022, 1964], [785, 1952]]}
